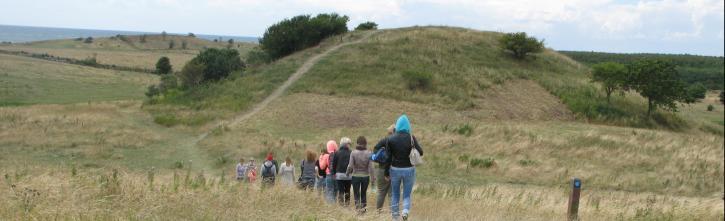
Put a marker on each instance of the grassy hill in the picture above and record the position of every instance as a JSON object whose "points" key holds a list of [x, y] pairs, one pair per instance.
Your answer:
{"points": [[502, 139], [128, 51]]}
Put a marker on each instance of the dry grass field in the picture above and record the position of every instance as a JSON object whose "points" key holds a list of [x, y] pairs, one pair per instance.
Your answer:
{"points": [[509, 156]]}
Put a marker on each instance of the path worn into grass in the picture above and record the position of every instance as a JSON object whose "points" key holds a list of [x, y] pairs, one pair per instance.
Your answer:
{"points": [[277, 92]]}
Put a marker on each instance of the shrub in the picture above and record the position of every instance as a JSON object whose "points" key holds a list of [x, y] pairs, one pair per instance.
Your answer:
{"points": [[89, 61], [218, 63], [167, 120], [192, 35], [183, 44], [172, 44], [88, 40], [418, 80], [519, 44], [482, 163], [163, 65], [367, 26], [192, 74], [152, 91], [695, 93], [308, 31], [710, 107]]}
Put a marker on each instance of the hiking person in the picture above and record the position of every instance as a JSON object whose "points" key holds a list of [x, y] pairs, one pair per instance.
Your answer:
{"points": [[383, 184], [287, 172], [361, 169], [308, 172], [340, 161], [399, 169], [320, 181], [330, 185], [269, 171], [251, 170], [241, 171], [270, 154]]}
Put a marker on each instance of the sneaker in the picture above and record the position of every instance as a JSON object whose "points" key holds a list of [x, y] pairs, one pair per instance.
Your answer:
{"points": [[405, 216]]}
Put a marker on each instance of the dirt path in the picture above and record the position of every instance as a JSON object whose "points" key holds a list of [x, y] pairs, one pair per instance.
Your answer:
{"points": [[276, 93]]}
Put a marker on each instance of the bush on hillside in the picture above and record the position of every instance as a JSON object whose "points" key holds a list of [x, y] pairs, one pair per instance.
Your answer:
{"points": [[695, 93], [301, 32], [219, 63], [172, 44], [191, 35], [88, 40], [192, 74], [367, 26], [418, 80], [710, 107], [519, 44], [163, 65], [183, 44]]}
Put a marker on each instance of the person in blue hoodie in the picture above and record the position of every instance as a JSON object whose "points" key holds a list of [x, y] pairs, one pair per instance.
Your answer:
{"points": [[398, 169]]}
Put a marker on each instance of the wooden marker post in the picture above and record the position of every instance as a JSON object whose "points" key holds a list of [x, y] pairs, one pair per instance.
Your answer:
{"points": [[573, 211]]}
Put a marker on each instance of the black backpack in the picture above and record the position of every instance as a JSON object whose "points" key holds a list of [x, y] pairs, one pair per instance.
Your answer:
{"points": [[267, 171], [321, 172]]}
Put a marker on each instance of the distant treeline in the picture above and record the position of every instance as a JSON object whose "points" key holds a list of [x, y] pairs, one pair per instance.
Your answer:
{"points": [[707, 70], [91, 61]]}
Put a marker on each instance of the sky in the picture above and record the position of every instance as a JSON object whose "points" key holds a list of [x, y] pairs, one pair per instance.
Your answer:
{"points": [[627, 26]]}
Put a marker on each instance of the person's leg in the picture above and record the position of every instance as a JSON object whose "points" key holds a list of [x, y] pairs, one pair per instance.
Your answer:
{"points": [[365, 181], [395, 181], [329, 189], [341, 192], [408, 182], [347, 184], [356, 182], [383, 186]]}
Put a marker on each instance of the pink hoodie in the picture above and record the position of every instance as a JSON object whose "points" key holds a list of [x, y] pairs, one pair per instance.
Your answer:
{"points": [[325, 158]]}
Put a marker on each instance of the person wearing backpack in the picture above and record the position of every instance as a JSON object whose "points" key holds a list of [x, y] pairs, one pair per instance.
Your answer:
{"points": [[320, 182], [308, 172], [330, 185], [383, 184], [360, 168], [400, 168], [339, 163], [269, 172]]}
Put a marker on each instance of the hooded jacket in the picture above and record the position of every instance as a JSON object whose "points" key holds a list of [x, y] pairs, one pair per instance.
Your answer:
{"points": [[399, 145], [341, 159], [325, 158]]}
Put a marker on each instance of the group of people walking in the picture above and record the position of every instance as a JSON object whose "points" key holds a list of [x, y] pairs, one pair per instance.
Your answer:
{"points": [[390, 165]]}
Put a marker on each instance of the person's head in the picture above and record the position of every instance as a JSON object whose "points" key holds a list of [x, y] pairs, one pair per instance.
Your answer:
{"points": [[270, 156], [324, 150], [361, 143], [403, 125], [288, 161], [345, 142], [251, 160], [331, 146], [391, 129], [310, 156], [241, 160]]}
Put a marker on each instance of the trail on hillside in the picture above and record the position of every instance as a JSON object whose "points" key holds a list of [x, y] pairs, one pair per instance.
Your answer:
{"points": [[277, 92]]}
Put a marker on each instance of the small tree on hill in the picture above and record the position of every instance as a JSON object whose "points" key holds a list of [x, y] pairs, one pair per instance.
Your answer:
{"points": [[367, 26], [219, 63], [192, 35], [172, 44], [519, 44], [163, 65], [613, 76], [88, 40], [659, 82], [695, 93]]}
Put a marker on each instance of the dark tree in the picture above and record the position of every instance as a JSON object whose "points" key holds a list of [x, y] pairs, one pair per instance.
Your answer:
{"points": [[163, 66], [183, 44], [695, 93], [192, 35], [367, 26], [519, 44], [613, 76], [278, 40], [192, 74], [722, 97], [659, 82], [171, 44], [88, 40]]}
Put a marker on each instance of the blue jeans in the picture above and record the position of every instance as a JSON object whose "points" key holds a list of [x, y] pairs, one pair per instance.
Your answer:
{"points": [[330, 190], [320, 184], [406, 177]]}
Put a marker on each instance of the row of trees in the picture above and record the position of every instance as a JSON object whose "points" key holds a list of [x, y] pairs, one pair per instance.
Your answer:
{"points": [[656, 80], [301, 32]]}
